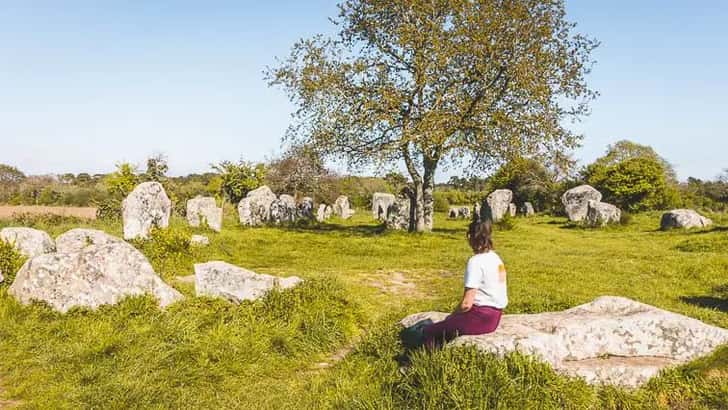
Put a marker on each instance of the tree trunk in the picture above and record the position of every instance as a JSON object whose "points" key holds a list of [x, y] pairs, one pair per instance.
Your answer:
{"points": [[418, 224], [428, 182]]}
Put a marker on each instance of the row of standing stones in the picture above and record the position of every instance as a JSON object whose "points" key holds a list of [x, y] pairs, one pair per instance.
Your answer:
{"points": [[610, 340]]}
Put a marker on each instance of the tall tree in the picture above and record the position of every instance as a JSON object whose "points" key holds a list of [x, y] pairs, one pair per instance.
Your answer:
{"points": [[431, 81]]}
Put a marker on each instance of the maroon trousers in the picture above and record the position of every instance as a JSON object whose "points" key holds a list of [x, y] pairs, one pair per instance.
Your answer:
{"points": [[476, 321]]}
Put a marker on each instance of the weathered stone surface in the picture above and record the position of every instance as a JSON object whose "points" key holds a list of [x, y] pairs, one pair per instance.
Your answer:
{"points": [[610, 340], [342, 208], [28, 241], [145, 207], [380, 204], [576, 201], [305, 208], [512, 209], [199, 240], [204, 209], [527, 209], [496, 205], [321, 213], [398, 214], [601, 214], [683, 218], [95, 276], [79, 239], [254, 209], [283, 210], [221, 279], [288, 200], [456, 212]]}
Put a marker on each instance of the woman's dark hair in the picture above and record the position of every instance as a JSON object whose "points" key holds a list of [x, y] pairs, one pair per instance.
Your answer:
{"points": [[479, 236]]}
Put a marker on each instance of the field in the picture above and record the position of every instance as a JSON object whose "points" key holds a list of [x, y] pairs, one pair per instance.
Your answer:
{"points": [[332, 342], [7, 211]]}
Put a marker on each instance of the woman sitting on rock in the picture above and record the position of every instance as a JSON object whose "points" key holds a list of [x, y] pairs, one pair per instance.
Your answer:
{"points": [[485, 294]]}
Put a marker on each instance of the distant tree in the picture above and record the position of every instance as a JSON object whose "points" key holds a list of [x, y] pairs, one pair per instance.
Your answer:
{"points": [[472, 183], [237, 179], [530, 180], [299, 170], [10, 175], [157, 168], [67, 178], [120, 183], [625, 149], [83, 178], [426, 82]]}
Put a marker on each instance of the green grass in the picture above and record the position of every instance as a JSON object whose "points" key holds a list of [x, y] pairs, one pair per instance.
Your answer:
{"points": [[283, 351]]}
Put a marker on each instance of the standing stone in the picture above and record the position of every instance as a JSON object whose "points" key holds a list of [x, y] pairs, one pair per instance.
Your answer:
{"points": [[527, 209], [465, 212], [512, 209], [457, 212], [204, 208], [281, 212], [576, 201], [28, 241], [147, 206], [399, 215], [79, 239], [305, 208], [453, 212], [380, 204], [342, 208], [288, 200], [496, 205], [95, 276], [600, 214], [220, 279], [321, 213], [683, 218], [254, 209], [477, 211]]}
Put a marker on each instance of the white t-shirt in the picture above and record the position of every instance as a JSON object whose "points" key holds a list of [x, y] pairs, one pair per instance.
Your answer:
{"points": [[486, 272]]}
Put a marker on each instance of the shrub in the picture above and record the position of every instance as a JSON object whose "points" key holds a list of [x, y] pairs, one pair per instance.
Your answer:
{"points": [[109, 209], [237, 179], [441, 204], [506, 223], [10, 262], [42, 220]]}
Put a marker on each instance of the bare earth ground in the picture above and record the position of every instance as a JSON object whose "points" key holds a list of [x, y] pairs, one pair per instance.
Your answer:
{"points": [[7, 211]]}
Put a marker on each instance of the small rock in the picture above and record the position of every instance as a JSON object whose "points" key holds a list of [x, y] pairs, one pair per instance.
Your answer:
{"points": [[527, 209], [145, 207], [28, 241], [683, 218], [221, 279], [512, 209], [601, 214], [199, 240], [204, 209]]}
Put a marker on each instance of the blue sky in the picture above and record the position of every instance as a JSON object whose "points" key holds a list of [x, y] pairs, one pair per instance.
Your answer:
{"points": [[86, 84]]}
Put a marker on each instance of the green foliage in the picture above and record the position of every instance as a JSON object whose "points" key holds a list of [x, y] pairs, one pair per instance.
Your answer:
{"points": [[237, 179], [506, 223], [10, 262], [441, 203], [530, 181], [157, 168], [120, 183], [41, 221], [166, 247], [299, 171]]}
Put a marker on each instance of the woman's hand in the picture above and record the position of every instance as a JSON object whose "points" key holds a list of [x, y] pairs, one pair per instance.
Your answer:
{"points": [[468, 299]]}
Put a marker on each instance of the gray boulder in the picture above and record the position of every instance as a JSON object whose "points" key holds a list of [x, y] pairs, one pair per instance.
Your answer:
{"points": [[398, 214], [576, 201], [380, 204], [204, 209], [28, 241], [683, 218], [512, 209], [145, 207], [342, 209], [95, 276], [459, 212], [324, 212], [254, 209], [611, 340], [283, 210], [305, 208], [221, 279], [496, 205], [601, 214], [79, 239], [527, 209]]}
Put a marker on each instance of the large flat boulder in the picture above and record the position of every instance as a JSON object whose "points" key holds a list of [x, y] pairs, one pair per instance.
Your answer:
{"points": [[380, 204], [683, 218], [496, 205], [601, 213], [576, 201], [236, 284], [147, 206], [611, 340], [28, 241], [79, 239], [95, 276], [204, 209], [254, 209]]}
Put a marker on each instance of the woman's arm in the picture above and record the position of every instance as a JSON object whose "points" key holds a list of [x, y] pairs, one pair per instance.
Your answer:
{"points": [[468, 300]]}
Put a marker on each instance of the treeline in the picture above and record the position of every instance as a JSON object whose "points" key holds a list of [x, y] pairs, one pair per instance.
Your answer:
{"points": [[632, 176]]}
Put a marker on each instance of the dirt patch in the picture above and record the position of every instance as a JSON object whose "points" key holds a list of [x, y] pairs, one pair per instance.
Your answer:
{"points": [[7, 211], [395, 283]]}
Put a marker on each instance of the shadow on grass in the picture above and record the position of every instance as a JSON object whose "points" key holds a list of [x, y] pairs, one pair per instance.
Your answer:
{"points": [[708, 302], [361, 230], [711, 230]]}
